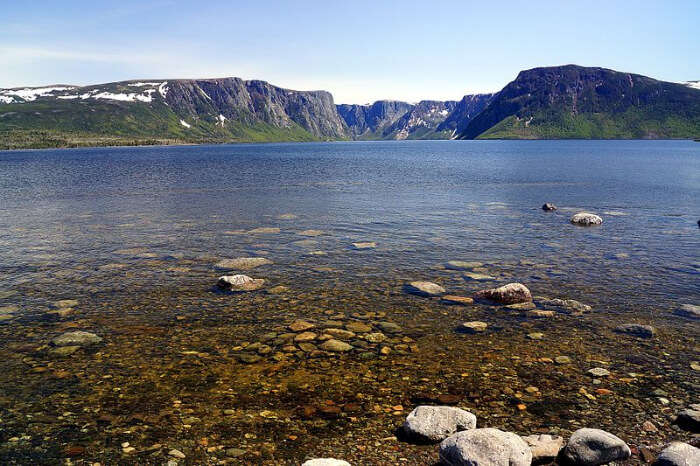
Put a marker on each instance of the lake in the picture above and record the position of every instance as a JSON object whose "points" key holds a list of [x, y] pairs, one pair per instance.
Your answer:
{"points": [[133, 234]]}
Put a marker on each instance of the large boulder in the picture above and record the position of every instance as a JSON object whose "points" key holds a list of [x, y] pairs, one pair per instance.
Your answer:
{"points": [[678, 454], [325, 462], [511, 293], [242, 263], [593, 447], [586, 219], [77, 338], [544, 447], [636, 330], [485, 447], [240, 283], [425, 288], [691, 311], [432, 424]]}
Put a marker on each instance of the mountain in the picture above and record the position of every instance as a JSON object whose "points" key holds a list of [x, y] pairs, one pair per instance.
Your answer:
{"points": [[465, 110], [578, 102], [160, 111], [370, 121]]}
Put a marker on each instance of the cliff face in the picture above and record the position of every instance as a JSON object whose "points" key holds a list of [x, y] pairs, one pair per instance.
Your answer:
{"points": [[370, 121], [464, 111]]}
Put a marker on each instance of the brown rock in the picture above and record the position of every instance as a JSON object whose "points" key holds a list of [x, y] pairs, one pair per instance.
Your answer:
{"points": [[511, 293]]}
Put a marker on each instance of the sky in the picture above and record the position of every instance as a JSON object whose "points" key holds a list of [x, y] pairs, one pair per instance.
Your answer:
{"points": [[359, 50]]}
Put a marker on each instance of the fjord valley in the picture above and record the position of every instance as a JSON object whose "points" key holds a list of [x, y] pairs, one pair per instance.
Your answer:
{"points": [[542, 103]]}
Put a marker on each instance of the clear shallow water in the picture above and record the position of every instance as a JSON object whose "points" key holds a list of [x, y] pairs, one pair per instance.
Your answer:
{"points": [[132, 234]]}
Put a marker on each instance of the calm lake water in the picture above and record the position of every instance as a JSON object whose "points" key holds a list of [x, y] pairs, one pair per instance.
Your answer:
{"points": [[133, 233]]}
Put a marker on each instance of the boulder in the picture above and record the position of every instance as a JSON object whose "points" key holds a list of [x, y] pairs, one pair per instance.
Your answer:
{"points": [[566, 306], [547, 207], [512, 293], [77, 338], [586, 219], [432, 424], [325, 462], [689, 418], [678, 454], [593, 447], [636, 330], [485, 447], [545, 448], [690, 311], [425, 288], [474, 326], [240, 283], [335, 346], [242, 263]]}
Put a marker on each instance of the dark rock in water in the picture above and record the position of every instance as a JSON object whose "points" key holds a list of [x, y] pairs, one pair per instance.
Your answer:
{"points": [[689, 418], [586, 219], [433, 424], [678, 454], [424, 288], [511, 293], [549, 207], [485, 447], [593, 447], [690, 311], [637, 330], [240, 283], [545, 448]]}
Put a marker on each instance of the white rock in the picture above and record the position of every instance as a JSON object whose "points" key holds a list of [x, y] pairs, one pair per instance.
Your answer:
{"points": [[485, 447], [678, 454], [436, 423], [593, 447], [544, 447], [325, 462], [586, 219], [240, 283], [425, 288]]}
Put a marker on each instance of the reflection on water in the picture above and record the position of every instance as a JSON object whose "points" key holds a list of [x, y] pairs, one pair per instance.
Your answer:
{"points": [[132, 234]]}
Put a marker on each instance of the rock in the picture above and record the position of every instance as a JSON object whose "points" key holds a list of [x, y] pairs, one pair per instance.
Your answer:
{"points": [[310, 233], [599, 372], [457, 300], [690, 311], [678, 454], [340, 334], [287, 217], [63, 351], [485, 447], [305, 336], [434, 424], [526, 306], [376, 337], [567, 306], [335, 346], [547, 207], [474, 326], [247, 358], [562, 360], [300, 326], [425, 288], [264, 230], [63, 303], [389, 327], [545, 448], [279, 289], [539, 313], [593, 447], [586, 219], [77, 338], [637, 330], [242, 263], [479, 277], [462, 265], [511, 293], [358, 327], [325, 462], [689, 418], [364, 245], [240, 283], [176, 453], [535, 336]]}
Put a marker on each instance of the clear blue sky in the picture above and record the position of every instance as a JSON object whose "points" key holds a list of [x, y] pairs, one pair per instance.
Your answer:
{"points": [[359, 50]]}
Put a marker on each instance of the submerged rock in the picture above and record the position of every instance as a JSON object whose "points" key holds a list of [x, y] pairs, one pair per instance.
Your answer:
{"points": [[549, 207], [300, 326], [678, 454], [335, 346], [586, 219], [593, 447], [690, 311], [264, 230], [325, 462], [637, 330], [566, 306], [77, 338], [598, 372], [364, 245], [545, 448], [474, 326], [478, 277], [240, 283], [242, 263], [425, 288], [462, 265], [485, 447], [65, 303], [435, 423], [458, 300], [511, 293]]}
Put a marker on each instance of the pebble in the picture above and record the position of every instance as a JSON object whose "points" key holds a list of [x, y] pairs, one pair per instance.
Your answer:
{"points": [[305, 336], [358, 327], [77, 338], [512, 293], [176, 453], [548, 207], [240, 283], [535, 336], [364, 245], [562, 360]]}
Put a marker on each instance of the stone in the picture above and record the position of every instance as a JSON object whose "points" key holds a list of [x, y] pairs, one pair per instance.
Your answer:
{"points": [[547, 207], [300, 326], [264, 231], [63, 303], [511, 293], [689, 418], [637, 330], [690, 311], [599, 372], [242, 263], [432, 424], [63, 351], [240, 283], [77, 338], [358, 327], [364, 245], [456, 300], [526, 306], [425, 288], [335, 346], [247, 358], [310, 233], [305, 336], [535, 336], [479, 277], [485, 447], [474, 326], [562, 360], [462, 265], [176, 453], [539, 314], [389, 327], [593, 447], [325, 462], [544, 447], [279, 289], [340, 334], [586, 219], [375, 337], [566, 306], [678, 454]]}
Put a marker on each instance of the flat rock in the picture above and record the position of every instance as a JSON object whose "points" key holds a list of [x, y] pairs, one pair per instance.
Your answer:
{"points": [[540, 314], [425, 288], [63, 303], [77, 338], [637, 330], [305, 336], [358, 327], [375, 337], [690, 311], [593, 447], [242, 263], [335, 346], [678, 454], [456, 300], [240, 283], [389, 327], [434, 424], [325, 462], [264, 230], [479, 277], [300, 326], [364, 245], [485, 447], [511, 293], [586, 219], [339, 333], [475, 326], [462, 265], [544, 447], [566, 306], [562, 360], [598, 372], [526, 306], [310, 233], [535, 336]]}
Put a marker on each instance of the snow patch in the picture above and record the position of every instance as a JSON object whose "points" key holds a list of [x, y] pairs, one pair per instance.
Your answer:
{"points": [[693, 84], [185, 124], [221, 119], [125, 97], [30, 94], [444, 112], [163, 89], [6, 99], [139, 84]]}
